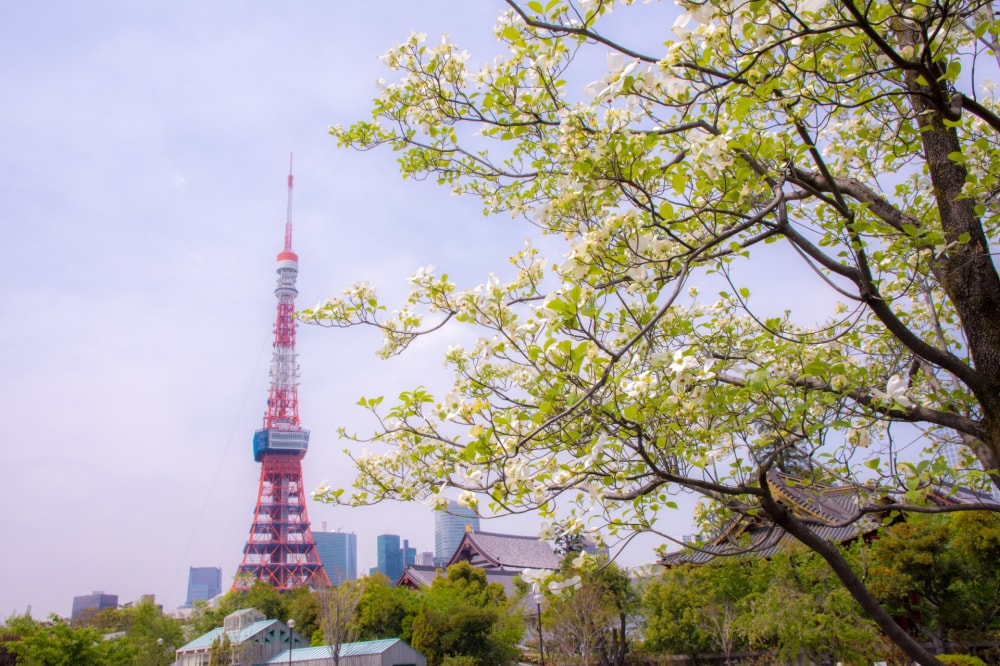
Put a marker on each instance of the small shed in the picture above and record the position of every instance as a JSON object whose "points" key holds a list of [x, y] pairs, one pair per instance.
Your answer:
{"points": [[385, 652]]}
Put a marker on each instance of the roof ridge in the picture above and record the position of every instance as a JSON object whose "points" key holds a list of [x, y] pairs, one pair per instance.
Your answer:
{"points": [[508, 536]]}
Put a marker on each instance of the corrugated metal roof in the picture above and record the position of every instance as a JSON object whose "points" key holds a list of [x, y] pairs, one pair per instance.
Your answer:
{"points": [[325, 651], [247, 632]]}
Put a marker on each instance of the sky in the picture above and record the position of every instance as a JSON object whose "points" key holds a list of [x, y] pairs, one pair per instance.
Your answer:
{"points": [[144, 149]]}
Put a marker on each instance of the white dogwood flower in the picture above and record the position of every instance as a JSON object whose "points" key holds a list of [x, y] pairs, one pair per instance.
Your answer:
{"points": [[557, 586], [896, 388]]}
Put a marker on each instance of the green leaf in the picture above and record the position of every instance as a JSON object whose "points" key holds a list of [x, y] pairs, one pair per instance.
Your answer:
{"points": [[511, 34]]}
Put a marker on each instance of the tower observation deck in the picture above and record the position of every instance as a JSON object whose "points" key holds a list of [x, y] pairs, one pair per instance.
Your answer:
{"points": [[281, 550]]}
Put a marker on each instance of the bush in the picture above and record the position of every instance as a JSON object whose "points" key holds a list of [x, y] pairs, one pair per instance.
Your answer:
{"points": [[961, 660], [463, 660]]}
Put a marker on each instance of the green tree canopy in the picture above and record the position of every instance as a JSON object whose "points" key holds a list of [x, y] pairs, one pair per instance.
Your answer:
{"points": [[842, 155], [385, 611], [56, 643], [789, 604], [463, 615], [138, 634], [940, 572]]}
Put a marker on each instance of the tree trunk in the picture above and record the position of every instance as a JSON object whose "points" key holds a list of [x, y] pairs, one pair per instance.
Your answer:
{"points": [[965, 269], [852, 583]]}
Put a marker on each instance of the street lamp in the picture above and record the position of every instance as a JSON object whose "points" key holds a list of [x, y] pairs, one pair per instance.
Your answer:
{"points": [[541, 642], [291, 640]]}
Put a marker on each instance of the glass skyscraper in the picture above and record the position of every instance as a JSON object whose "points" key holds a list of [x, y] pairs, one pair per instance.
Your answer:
{"points": [[390, 556], [204, 583], [89, 604], [449, 527], [338, 551]]}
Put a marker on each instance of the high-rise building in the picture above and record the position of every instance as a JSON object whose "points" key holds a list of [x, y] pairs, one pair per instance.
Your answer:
{"points": [[390, 556], [425, 559], [449, 526], [339, 553], [91, 603], [204, 584], [280, 550], [961, 458], [953, 455], [409, 554]]}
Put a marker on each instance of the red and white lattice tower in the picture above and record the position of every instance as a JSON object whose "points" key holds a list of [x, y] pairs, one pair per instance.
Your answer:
{"points": [[281, 550]]}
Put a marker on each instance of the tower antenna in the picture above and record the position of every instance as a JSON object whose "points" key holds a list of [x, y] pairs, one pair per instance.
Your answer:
{"points": [[288, 216]]}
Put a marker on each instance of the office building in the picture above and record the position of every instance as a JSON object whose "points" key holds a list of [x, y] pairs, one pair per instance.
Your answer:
{"points": [[390, 556], [338, 551], [409, 554], [89, 604], [204, 584], [450, 526]]}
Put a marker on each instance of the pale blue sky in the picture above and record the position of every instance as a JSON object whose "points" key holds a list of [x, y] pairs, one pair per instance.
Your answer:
{"points": [[143, 153]]}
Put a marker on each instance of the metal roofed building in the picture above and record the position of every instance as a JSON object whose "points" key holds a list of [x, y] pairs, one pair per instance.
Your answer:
{"points": [[252, 640], [385, 652]]}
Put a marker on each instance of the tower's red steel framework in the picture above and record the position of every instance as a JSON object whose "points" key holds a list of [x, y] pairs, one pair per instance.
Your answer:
{"points": [[280, 550]]}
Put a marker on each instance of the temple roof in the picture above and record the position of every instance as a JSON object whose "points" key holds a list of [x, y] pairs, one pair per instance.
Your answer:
{"points": [[829, 511], [418, 576], [489, 550]]}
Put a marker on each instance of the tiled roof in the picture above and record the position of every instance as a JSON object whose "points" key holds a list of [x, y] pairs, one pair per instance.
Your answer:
{"points": [[948, 494], [507, 551], [828, 511], [423, 576], [325, 651], [419, 575], [505, 579]]}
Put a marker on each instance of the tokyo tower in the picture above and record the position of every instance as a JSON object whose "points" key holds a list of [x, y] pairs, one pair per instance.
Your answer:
{"points": [[280, 550]]}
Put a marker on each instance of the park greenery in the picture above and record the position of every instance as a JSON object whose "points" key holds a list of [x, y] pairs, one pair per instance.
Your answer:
{"points": [[937, 571], [838, 157]]}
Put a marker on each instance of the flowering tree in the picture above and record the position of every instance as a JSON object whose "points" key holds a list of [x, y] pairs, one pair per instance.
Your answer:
{"points": [[851, 144]]}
